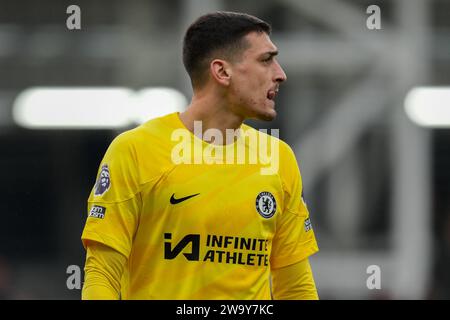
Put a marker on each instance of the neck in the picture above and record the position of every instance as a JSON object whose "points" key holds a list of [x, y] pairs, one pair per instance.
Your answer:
{"points": [[214, 113]]}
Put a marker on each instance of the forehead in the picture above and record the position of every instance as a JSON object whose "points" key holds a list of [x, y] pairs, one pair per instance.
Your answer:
{"points": [[259, 43]]}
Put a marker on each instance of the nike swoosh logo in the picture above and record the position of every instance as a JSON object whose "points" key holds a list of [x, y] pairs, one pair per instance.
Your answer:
{"points": [[175, 201]]}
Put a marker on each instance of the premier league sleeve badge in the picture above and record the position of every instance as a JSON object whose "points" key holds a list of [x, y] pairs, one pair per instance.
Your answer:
{"points": [[103, 182]]}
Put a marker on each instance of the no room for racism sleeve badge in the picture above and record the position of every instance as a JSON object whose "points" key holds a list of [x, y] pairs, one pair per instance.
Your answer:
{"points": [[103, 182]]}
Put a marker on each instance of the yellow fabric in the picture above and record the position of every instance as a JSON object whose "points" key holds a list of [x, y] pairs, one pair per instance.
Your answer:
{"points": [[214, 245], [294, 282], [102, 272]]}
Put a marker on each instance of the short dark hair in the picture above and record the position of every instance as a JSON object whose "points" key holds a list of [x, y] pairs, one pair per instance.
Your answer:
{"points": [[221, 32]]}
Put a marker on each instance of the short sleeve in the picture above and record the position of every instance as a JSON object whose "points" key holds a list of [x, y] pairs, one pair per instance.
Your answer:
{"points": [[294, 238], [114, 203]]}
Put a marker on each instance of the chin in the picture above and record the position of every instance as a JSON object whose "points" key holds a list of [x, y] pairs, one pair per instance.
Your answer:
{"points": [[263, 112], [267, 116]]}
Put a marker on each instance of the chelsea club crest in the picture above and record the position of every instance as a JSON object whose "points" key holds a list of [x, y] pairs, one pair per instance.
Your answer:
{"points": [[266, 204]]}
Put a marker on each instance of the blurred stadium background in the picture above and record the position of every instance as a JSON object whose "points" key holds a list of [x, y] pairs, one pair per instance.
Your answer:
{"points": [[376, 182]]}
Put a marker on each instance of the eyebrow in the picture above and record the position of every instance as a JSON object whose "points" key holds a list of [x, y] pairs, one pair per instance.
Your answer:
{"points": [[271, 53]]}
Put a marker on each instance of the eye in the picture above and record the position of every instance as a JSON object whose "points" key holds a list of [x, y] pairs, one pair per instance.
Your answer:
{"points": [[267, 60]]}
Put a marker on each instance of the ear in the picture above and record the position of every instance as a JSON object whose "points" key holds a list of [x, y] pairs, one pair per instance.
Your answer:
{"points": [[220, 71]]}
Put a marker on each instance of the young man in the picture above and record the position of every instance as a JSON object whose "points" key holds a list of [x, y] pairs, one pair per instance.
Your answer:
{"points": [[171, 219]]}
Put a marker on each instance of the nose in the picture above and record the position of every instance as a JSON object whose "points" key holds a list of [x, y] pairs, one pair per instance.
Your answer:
{"points": [[280, 75]]}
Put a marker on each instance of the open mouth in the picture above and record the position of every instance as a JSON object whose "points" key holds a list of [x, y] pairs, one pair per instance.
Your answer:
{"points": [[271, 94]]}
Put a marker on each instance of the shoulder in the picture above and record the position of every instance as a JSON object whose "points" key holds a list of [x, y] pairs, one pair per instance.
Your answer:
{"points": [[146, 149], [148, 134], [269, 139]]}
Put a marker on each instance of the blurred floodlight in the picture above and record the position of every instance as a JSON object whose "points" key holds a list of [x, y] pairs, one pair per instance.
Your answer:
{"points": [[90, 108], [156, 102], [429, 106], [71, 107]]}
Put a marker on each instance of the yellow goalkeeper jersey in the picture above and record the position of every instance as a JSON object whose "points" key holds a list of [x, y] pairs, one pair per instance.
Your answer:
{"points": [[199, 221]]}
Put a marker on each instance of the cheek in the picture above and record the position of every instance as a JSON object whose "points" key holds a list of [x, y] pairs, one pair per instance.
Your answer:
{"points": [[249, 88], [252, 89], [250, 100], [252, 78]]}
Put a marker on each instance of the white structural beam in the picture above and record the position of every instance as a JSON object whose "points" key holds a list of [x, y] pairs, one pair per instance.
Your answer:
{"points": [[192, 9], [411, 158], [406, 267], [340, 128]]}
